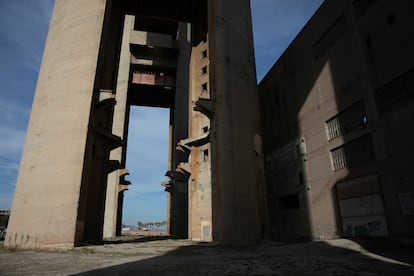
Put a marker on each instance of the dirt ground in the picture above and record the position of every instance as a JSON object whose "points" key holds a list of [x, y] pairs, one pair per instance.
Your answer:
{"points": [[159, 255]]}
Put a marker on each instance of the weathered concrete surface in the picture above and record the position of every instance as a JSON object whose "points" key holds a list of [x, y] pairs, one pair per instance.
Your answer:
{"points": [[320, 79], [199, 189], [119, 125], [45, 203], [183, 257], [235, 176], [63, 178]]}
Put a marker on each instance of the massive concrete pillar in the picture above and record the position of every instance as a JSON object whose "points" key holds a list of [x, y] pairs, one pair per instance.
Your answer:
{"points": [[177, 209], [74, 156], [236, 177], [116, 180], [101, 140], [46, 200]]}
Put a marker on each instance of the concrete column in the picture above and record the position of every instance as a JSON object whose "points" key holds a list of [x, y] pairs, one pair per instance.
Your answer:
{"points": [[46, 199], [235, 173], [177, 206], [119, 127], [199, 192]]}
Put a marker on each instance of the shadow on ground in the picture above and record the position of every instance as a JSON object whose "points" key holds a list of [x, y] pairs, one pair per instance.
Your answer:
{"points": [[337, 257], [161, 256], [132, 239]]}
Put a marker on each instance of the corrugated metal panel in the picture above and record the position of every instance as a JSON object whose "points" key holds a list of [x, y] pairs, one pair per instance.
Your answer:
{"points": [[362, 206]]}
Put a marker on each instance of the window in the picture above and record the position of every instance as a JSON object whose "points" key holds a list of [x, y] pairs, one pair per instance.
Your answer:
{"points": [[204, 70], [338, 158], [301, 180], [346, 121], [361, 7], [289, 202], [353, 153], [397, 93], [205, 155], [204, 54], [204, 87]]}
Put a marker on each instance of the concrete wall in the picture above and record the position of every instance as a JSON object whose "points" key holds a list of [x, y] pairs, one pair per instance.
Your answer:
{"points": [[76, 129], [177, 211], [101, 140], [177, 185], [199, 185], [323, 124], [235, 176], [119, 128], [46, 199]]}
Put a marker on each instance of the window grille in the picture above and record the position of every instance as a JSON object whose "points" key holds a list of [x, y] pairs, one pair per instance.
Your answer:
{"points": [[338, 158], [397, 93], [353, 153], [361, 7], [346, 121]]}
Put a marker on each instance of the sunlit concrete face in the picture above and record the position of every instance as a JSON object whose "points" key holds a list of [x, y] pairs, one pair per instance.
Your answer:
{"points": [[194, 57], [47, 191]]}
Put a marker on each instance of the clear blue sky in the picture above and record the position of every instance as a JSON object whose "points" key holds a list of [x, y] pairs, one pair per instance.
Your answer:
{"points": [[23, 30]]}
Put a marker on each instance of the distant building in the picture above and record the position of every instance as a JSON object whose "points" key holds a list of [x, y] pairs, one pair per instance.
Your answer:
{"points": [[337, 117], [4, 218], [4, 212]]}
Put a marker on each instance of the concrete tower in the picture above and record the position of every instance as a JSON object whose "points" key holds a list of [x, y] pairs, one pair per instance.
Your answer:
{"points": [[102, 56]]}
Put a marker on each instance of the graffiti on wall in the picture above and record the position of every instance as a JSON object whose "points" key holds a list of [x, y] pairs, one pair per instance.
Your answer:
{"points": [[365, 227]]}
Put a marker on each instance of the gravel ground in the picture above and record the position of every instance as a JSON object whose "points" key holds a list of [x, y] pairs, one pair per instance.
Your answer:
{"points": [[162, 256]]}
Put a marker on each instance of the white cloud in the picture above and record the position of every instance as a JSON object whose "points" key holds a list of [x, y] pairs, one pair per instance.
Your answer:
{"points": [[14, 114], [23, 27], [12, 140], [7, 166]]}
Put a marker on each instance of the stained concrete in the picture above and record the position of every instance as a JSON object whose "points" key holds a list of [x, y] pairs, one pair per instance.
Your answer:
{"points": [[93, 69], [45, 203]]}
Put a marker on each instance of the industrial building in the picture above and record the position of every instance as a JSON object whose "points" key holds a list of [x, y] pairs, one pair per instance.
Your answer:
{"points": [[337, 110], [319, 149], [101, 57]]}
